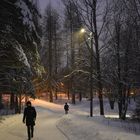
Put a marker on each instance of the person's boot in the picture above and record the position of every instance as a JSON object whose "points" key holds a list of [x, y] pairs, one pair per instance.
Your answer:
{"points": [[32, 132], [29, 137], [32, 135], [29, 132]]}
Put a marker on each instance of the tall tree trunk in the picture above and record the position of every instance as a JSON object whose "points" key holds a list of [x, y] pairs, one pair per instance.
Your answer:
{"points": [[126, 88], [16, 105], [26, 98], [56, 97], [91, 78], [68, 83], [50, 58], [80, 96], [0, 98], [56, 58], [1, 105], [72, 60], [119, 70], [51, 95], [72, 91], [98, 60], [12, 100], [73, 97], [68, 93], [20, 103]]}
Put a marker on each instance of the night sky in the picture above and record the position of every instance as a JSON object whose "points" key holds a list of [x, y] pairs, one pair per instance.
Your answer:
{"points": [[43, 3]]}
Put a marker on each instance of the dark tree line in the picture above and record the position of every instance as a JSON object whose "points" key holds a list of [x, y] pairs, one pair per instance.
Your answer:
{"points": [[122, 44], [19, 44]]}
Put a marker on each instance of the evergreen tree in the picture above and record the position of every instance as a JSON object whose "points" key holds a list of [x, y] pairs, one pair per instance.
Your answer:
{"points": [[19, 40], [51, 48]]}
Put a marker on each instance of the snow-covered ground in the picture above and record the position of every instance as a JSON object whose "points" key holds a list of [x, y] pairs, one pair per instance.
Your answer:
{"points": [[53, 124]]}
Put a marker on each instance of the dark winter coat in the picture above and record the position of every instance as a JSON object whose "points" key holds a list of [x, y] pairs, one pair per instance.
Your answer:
{"points": [[66, 107], [29, 115]]}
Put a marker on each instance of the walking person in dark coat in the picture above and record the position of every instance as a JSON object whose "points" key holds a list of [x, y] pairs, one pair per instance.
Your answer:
{"points": [[30, 117], [66, 108]]}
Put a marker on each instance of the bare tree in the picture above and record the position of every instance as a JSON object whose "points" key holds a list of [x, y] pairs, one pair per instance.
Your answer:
{"points": [[72, 24], [122, 44], [90, 15]]}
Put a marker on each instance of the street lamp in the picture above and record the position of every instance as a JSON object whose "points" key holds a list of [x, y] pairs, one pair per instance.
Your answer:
{"points": [[91, 67], [82, 30]]}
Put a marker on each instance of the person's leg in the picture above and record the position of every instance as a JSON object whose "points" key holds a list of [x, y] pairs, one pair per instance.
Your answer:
{"points": [[32, 131], [29, 133]]}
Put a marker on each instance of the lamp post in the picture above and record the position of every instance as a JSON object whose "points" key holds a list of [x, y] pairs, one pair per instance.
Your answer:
{"points": [[91, 76], [91, 67]]}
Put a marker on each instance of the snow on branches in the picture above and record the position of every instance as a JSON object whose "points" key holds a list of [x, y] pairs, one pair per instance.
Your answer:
{"points": [[27, 17]]}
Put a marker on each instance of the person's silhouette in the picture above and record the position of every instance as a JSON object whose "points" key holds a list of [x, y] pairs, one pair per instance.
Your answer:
{"points": [[66, 108], [30, 117]]}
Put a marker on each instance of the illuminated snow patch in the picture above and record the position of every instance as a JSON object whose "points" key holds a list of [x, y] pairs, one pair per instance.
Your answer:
{"points": [[115, 116]]}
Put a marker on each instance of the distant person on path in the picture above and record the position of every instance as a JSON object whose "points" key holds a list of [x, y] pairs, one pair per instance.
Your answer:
{"points": [[30, 117], [66, 108]]}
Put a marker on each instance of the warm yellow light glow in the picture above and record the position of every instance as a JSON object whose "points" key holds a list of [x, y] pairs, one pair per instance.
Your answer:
{"points": [[62, 84], [132, 93], [82, 30]]}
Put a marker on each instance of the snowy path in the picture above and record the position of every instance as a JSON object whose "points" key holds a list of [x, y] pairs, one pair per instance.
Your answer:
{"points": [[46, 127], [52, 124]]}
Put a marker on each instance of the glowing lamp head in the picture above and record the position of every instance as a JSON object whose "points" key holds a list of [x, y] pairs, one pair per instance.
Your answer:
{"points": [[83, 30]]}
